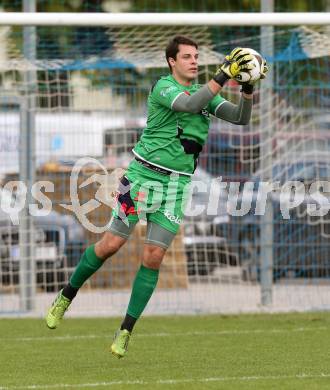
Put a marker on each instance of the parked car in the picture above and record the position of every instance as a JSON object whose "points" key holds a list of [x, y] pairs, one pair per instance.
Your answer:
{"points": [[301, 245], [59, 242]]}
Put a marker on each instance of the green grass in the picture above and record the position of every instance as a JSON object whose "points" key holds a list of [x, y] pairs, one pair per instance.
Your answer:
{"points": [[289, 351]]}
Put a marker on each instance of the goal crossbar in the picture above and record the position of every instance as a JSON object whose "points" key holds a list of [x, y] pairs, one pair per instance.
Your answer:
{"points": [[165, 19]]}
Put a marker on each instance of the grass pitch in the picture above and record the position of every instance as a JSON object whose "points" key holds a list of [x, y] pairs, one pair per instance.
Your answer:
{"points": [[290, 351]]}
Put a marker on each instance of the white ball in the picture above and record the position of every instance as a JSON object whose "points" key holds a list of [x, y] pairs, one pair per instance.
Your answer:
{"points": [[254, 74]]}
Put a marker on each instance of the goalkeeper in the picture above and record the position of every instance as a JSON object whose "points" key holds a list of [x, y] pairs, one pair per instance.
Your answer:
{"points": [[177, 127]]}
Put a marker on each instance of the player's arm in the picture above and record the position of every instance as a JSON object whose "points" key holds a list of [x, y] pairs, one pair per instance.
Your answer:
{"points": [[235, 62], [197, 101], [239, 114]]}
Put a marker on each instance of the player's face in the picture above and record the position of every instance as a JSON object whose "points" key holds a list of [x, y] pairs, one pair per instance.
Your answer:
{"points": [[185, 67]]}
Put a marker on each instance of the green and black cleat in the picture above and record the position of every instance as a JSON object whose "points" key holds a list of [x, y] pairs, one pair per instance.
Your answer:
{"points": [[120, 343], [57, 310]]}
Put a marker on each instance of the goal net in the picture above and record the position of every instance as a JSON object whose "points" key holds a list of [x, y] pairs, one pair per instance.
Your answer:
{"points": [[76, 109]]}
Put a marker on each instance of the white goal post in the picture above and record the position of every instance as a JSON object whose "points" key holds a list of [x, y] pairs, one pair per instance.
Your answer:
{"points": [[164, 19]]}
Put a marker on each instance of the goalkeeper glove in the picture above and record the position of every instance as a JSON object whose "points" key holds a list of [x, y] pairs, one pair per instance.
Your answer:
{"points": [[248, 86], [238, 60]]}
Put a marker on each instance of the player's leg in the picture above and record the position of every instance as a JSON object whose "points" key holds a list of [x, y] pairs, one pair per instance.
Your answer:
{"points": [[162, 227], [157, 241], [91, 260], [120, 227]]}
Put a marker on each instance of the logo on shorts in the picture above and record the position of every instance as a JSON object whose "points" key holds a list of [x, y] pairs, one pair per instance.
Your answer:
{"points": [[204, 112], [171, 217]]}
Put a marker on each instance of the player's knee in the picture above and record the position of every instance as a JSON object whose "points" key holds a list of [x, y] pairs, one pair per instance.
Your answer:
{"points": [[153, 256], [152, 263], [108, 245]]}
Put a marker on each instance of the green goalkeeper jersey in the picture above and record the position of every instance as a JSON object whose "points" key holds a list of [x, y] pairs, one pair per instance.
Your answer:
{"points": [[173, 139]]}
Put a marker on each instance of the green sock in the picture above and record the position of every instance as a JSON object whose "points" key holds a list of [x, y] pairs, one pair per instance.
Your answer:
{"points": [[144, 284], [88, 264]]}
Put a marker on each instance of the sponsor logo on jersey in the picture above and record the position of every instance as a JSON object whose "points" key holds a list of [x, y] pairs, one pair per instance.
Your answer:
{"points": [[166, 91], [171, 217]]}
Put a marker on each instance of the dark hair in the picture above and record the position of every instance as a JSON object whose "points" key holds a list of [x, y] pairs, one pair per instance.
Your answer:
{"points": [[173, 47]]}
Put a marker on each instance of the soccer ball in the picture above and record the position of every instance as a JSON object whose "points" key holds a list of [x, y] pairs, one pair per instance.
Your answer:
{"points": [[254, 74]]}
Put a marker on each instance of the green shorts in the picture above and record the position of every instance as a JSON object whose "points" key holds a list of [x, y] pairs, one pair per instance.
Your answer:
{"points": [[151, 196]]}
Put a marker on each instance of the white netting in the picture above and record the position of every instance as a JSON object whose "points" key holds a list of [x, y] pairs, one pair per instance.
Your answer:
{"points": [[94, 104]]}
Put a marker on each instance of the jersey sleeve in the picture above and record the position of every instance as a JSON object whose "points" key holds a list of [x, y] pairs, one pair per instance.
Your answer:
{"points": [[215, 103], [165, 92]]}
